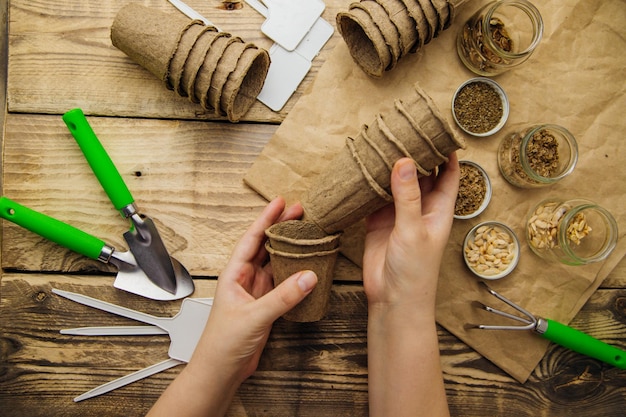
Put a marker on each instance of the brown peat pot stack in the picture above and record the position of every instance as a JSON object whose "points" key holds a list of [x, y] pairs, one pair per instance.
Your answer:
{"points": [[215, 69], [379, 33], [357, 181], [296, 245]]}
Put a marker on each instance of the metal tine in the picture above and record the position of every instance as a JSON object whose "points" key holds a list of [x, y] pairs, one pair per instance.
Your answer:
{"points": [[502, 313], [530, 323]]}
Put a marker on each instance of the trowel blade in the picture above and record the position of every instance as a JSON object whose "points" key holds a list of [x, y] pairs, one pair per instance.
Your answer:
{"points": [[152, 257], [133, 279]]}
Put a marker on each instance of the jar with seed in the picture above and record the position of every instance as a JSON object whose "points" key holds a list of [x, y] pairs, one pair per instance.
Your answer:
{"points": [[574, 232], [538, 156], [491, 250], [480, 107], [474, 192], [501, 35]]}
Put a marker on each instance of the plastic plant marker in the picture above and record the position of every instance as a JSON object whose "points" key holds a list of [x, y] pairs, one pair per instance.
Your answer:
{"points": [[288, 68], [127, 379], [184, 328], [286, 72], [187, 327], [288, 21]]}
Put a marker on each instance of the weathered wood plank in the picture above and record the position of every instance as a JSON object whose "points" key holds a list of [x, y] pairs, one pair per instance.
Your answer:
{"points": [[60, 54], [306, 369], [4, 31], [186, 175]]}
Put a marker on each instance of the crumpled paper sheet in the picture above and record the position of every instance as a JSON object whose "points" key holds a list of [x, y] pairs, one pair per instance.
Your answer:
{"points": [[576, 78]]}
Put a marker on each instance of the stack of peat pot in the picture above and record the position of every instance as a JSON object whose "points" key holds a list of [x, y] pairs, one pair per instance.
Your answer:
{"points": [[380, 32], [295, 246], [219, 71], [357, 181]]}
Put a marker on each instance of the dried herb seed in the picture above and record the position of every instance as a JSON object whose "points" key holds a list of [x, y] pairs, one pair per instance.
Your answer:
{"points": [[472, 190], [481, 54], [478, 107]]}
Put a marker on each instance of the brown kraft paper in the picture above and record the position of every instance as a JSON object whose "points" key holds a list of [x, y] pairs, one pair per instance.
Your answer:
{"points": [[574, 78]]}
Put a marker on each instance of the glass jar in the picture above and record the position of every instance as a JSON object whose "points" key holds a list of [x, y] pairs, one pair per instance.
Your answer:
{"points": [[499, 36], [538, 156], [574, 232]]}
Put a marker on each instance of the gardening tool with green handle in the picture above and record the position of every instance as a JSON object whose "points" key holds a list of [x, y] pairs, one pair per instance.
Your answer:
{"points": [[143, 238], [130, 276], [557, 332]]}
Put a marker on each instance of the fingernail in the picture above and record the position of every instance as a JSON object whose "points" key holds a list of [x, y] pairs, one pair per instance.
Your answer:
{"points": [[307, 280], [407, 170]]}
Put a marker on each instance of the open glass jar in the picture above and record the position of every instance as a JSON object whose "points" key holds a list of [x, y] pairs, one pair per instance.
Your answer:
{"points": [[574, 232], [539, 156], [499, 36]]}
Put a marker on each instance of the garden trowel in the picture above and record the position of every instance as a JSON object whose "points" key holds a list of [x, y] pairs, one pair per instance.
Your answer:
{"points": [[143, 238]]}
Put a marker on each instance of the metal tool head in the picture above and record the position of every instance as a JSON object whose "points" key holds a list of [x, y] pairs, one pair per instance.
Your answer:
{"points": [[529, 320], [147, 246], [132, 278], [145, 243]]}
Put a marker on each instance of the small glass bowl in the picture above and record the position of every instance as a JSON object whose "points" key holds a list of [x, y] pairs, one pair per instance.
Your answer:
{"points": [[491, 250], [574, 232], [488, 192], [504, 100]]}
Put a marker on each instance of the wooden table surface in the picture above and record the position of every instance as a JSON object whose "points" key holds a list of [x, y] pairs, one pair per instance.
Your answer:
{"points": [[185, 170]]}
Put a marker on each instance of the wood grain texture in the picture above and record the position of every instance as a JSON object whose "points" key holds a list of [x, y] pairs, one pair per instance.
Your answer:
{"points": [[186, 175], [315, 369], [60, 55]]}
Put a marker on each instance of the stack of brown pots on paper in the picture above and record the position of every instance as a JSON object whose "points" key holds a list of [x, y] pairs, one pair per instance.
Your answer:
{"points": [[219, 71], [357, 181], [380, 32], [296, 245]]}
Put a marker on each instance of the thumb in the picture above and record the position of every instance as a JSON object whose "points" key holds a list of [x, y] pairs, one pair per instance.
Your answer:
{"points": [[286, 295], [407, 196]]}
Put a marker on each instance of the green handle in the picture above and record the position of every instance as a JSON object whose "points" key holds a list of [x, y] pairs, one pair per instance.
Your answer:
{"points": [[51, 229], [98, 159], [583, 343]]}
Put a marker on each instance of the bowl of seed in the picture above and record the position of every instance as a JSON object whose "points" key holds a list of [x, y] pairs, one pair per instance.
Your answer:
{"points": [[474, 191], [491, 250], [480, 107]]}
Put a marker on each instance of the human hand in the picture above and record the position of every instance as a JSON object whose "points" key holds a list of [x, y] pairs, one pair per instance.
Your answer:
{"points": [[405, 241], [403, 250], [244, 308], [246, 302]]}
